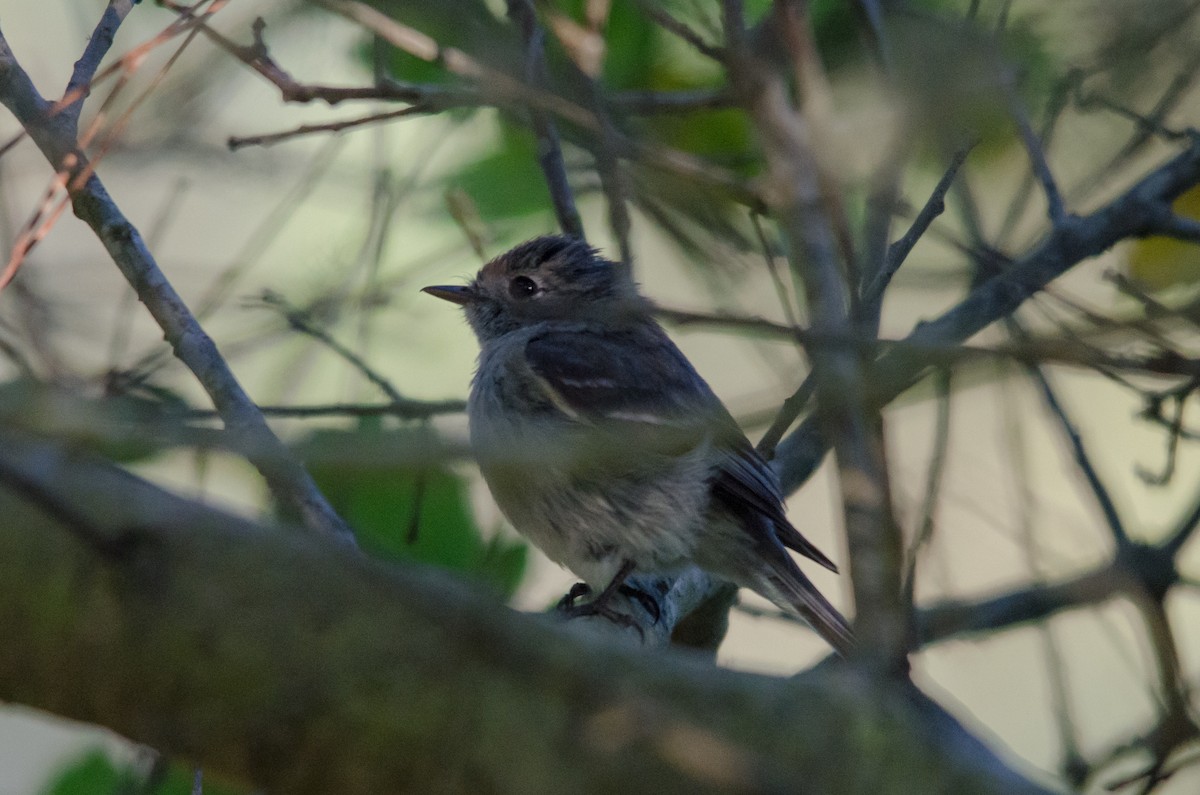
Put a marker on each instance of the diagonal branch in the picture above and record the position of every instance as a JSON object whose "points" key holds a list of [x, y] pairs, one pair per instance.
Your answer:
{"points": [[1112, 517], [334, 673], [1131, 214], [53, 135], [79, 86]]}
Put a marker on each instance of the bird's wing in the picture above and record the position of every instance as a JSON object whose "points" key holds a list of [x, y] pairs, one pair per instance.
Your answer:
{"points": [[636, 382], [627, 379], [746, 485]]}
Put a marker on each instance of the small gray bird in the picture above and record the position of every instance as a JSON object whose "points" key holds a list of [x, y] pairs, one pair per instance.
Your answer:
{"points": [[604, 447]]}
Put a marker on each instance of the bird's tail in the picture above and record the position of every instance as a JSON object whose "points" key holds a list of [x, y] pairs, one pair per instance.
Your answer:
{"points": [[790, 589]]}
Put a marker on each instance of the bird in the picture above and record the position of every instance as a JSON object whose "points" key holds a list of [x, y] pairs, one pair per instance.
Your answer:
{"points": [[604, 447]]}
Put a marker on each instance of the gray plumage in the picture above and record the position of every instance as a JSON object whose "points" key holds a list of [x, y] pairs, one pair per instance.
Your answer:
{"points": [[601, 443]]}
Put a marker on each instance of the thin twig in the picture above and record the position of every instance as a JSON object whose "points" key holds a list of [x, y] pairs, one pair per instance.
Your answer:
{"points": [[79, 85], [234, 142], [789, 410], [1128, 215], [934, 478], [405, 408], [1111, 516], [671, 24], [647, 103], [810, 219], [898, 251], [1055, 106], [503, 89], [298, 320], [1184, 530], [1055, 207], [550, 155]]}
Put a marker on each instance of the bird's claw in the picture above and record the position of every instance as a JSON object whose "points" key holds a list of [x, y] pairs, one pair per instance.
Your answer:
{"points": [[578, 590], [600, 606], [648, 602], [601, 609]]}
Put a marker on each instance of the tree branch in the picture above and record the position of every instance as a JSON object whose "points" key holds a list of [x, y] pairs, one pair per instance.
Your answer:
{"points": [[79, 86], [1133, 213], [292, 665], [800, 201], [550, 156], [54, 136]]}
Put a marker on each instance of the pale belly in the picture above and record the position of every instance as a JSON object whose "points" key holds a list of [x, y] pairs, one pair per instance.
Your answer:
{"points": [[591, 509]]}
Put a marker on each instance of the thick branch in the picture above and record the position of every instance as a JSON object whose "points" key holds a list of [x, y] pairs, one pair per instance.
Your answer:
{"points": [[295, 666]]}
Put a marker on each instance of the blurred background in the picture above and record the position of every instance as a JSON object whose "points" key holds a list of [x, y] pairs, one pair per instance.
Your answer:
{"points": [[304, 258]]}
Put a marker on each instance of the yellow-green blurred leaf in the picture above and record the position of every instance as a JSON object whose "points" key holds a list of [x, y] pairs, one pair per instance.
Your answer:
{"points": [[1158, 262]]}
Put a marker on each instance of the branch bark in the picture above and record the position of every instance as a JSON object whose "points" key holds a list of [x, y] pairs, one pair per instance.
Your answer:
{"points": [[291, 664]]}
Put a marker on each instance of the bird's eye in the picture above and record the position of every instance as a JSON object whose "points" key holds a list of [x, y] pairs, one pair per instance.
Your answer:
{"points": [[522, 287]]}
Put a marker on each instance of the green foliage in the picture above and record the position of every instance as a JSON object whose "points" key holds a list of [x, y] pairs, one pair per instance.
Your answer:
{"points": [[506, 183], [94, 773], [950, 75], [406, 506]]}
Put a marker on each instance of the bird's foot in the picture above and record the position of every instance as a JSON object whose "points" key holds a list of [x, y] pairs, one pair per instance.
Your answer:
{"points": [[647, 601], [602, 604], [602, 609]]}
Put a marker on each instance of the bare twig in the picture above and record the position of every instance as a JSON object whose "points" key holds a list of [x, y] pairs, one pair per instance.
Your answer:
{"points": [[79, 86], [797, 198], [667, 22], [550, 156], [1056, 105], [789, 410], [646, 103], [234, 142], [1055, 207], [898, 251], [933, 487], [1111, 516], [298, 320], [1178, 227], [1183, 532], [405, 408], [503, 89], [956, 619]]}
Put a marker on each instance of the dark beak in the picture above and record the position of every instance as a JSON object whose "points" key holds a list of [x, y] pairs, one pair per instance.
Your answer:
{"points": [[454, 293]]}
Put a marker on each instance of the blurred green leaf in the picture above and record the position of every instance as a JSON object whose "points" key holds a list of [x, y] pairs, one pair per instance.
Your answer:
{"points": [[178, 781], [95, 773], [410, 506], [92, 773], [507, 183], [1158, 263]]}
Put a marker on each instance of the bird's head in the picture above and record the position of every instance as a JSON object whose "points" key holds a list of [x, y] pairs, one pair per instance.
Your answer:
{"points": [[547, 278]]}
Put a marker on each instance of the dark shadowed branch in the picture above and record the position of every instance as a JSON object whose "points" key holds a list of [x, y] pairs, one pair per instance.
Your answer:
{"points": [[476, 696]]}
